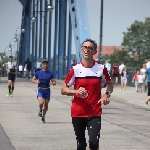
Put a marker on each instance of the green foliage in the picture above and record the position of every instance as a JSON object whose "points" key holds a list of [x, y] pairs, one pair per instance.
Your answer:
{"points": [[118, 56], [136, 42]]}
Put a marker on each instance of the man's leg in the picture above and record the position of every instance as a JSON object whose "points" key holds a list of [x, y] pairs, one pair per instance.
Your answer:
{"points": [[9, 88], [94, 127], [9, 85], [79, 125], [116, 81], [46, 96], [148, 84], [12, 84], [41, 103], [45, 107]]}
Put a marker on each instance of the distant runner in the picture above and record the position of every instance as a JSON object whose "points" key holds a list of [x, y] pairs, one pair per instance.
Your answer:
{"points": [[44, 79], [11, 71]]}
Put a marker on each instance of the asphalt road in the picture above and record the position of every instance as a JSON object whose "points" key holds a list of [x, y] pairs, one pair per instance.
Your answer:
{"points": [[124, 126]]}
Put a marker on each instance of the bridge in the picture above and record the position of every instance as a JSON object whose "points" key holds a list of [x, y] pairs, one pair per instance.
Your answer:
{"points": [[47, 30]]}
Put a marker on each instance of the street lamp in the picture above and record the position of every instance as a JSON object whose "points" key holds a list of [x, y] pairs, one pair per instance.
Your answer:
{"points": [[49, 8]]}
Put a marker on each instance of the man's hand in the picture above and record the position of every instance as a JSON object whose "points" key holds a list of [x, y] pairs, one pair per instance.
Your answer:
{"points": [[81, 91], [37, 81], [104, 100]]}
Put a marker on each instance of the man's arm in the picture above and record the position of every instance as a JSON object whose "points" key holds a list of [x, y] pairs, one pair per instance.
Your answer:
{"points": [[65, 90], [109, 86], [35, 80]]}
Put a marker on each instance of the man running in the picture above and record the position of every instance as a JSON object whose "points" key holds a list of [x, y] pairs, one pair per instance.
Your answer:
{"points": [[44, 79], [86, 110], [11, 71]]}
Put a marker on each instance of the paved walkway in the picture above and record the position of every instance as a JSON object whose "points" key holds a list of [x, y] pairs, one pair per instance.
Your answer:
{"points": [[19, 120]]}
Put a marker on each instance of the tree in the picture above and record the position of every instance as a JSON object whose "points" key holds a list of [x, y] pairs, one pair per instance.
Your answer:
{"points": [[119, 56], [136, 41]]}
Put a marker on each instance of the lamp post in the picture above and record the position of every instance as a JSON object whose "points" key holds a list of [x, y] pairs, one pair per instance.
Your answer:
{"points": [[10, 46], [17, 40], [101, 31]]}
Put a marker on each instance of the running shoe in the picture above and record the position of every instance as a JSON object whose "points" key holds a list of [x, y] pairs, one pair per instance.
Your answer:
{"points": [[40, 114], [8, 94], [11, 94], [42, 120]]}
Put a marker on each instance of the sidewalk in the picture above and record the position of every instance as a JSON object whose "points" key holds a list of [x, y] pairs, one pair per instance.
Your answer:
{"points": [[130, 97]]}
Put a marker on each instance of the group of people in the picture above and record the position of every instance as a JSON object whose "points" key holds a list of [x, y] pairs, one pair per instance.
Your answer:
{"points": [[141, 78], [86, 77]]}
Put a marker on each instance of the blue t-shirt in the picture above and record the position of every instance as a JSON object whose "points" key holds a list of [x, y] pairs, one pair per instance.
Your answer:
{"points": [[148, 74], [44, 77]]}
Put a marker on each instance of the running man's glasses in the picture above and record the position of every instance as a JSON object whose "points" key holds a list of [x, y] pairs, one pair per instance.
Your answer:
{"points": [[87, 48]]}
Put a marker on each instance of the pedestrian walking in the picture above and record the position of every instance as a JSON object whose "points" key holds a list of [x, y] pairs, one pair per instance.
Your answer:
{"points": [[121, 67], [86, 77], [44, 79], [141, 78], [143, 70], [115, 73], [11, 71], [20, 70], [108, 66], [28, 66], [124, 75], [135, 80]]}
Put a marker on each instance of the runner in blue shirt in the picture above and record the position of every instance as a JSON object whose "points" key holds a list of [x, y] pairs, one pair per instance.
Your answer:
{"points": [[44, 79]]}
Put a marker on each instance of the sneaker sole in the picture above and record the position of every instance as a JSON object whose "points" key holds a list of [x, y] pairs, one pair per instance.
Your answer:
{"points": [[42, 122]]}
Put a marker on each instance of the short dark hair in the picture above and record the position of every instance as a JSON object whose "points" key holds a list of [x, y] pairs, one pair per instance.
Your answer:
{"points": [[92, 41], [10, 56]]}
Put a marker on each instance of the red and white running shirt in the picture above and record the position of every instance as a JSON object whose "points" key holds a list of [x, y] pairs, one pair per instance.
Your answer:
{"points": [[91, 79]]}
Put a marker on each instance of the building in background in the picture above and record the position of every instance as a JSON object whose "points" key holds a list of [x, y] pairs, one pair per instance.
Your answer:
{"points": [[107, 51]]}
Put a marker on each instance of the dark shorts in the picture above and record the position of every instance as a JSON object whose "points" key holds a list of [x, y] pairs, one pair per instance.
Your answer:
{"points": [[116, 75], [44, 93], [12, 77]]}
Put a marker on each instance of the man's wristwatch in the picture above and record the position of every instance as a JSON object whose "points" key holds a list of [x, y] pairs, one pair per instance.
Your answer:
{"points": [[108, 94]]}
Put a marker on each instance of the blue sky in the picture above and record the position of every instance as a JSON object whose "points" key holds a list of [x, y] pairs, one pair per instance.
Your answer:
{"points": [[118, 16]]}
